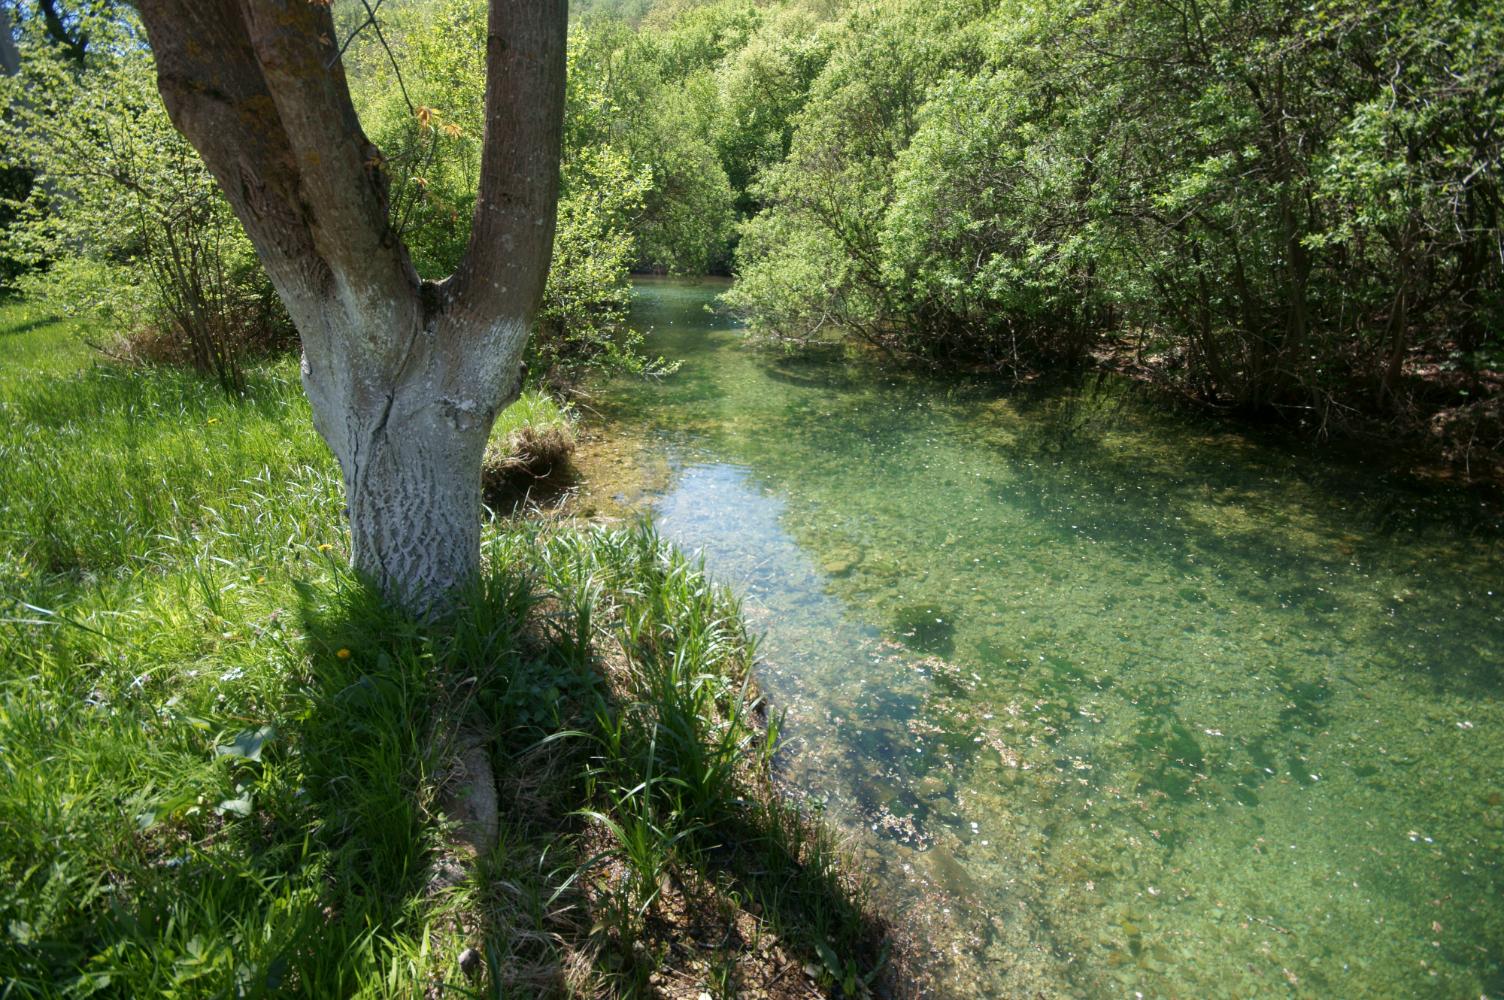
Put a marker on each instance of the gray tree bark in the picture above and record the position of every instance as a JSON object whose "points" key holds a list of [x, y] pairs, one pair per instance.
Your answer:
{"points": [[405, 377], [10, 58]]}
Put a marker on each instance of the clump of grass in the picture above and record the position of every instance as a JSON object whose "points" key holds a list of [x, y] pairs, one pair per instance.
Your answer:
{"points": [[530, 447], [224, 759], [681, 773]]}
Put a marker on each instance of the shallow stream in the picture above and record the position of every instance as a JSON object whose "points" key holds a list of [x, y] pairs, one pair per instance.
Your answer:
{"points": [[1112, 702]]}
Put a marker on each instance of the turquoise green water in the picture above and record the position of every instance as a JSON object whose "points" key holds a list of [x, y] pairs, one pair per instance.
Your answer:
{"points": [[1112, 703]]}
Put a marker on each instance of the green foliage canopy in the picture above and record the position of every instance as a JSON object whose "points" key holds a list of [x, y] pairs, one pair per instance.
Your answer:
{"points": [[1285, 207]]}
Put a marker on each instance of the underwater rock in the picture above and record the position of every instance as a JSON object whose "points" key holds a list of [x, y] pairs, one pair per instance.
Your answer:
{"points": [[953, 875], [933, 787], [925, 628], [841, 562]]}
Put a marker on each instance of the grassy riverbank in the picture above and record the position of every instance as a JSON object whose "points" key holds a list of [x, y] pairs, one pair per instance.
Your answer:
{"points": [[228, 769]]}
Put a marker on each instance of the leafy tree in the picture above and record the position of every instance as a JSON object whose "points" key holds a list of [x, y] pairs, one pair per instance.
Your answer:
{"points": [[64, 27], [812, 261], [405, 376], [583, 323], [15, 182], [1283, 210], [763, 86], [663, 111], [983, 243]]}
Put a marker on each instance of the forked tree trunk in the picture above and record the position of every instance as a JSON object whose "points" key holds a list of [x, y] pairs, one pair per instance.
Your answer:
{"points": [[405, 376], [411, 456]]}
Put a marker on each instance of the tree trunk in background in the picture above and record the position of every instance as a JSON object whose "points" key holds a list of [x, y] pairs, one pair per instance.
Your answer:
{"points": [[10, 59], [405, 377]]}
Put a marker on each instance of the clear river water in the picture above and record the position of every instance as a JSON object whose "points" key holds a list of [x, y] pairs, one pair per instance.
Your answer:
{"points": [[1110, 702]]}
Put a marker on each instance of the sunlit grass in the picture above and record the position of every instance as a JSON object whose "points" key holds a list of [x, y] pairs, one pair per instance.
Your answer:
{"points": [[535, 410], [222, 761]]}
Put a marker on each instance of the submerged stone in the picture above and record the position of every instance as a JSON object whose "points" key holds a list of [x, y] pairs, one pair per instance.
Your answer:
{"points": [[841, 562], [925, 628]]}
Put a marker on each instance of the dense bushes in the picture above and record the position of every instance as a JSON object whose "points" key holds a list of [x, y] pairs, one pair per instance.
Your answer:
{"points": [[1275, 209], [123, 221], [1288, 209], [813, 260]]}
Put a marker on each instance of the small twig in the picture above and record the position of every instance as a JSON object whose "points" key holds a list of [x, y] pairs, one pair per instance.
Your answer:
{"points": [[372, 22], [395, 68]]}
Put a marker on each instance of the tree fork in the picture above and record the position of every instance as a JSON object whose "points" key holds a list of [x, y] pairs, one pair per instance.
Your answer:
{"points": [[405, 377]]}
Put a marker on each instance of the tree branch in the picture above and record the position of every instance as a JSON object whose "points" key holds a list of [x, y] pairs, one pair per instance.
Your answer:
{"points": [[512, 232], [247, 82], [10, 59], [216, 95], [76, 46], [341, 172]]}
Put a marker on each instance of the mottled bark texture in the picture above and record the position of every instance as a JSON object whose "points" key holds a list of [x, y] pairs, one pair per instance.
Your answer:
{"points": [[405, 377]]}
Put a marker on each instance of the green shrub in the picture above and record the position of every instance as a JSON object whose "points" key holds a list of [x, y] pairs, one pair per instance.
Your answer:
{"points": [[123, 223], [1284, 210]]}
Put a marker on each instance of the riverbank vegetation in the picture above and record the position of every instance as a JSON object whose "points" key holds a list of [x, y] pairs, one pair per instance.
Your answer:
{"points": [[1283, 214], [230, 769], [1277, 212]]}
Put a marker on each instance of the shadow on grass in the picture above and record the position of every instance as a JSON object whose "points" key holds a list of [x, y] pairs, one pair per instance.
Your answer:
{"points": [[639, 837], [386, 703], [28, 325]]}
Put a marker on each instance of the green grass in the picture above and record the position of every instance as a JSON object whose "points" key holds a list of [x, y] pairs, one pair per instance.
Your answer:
{"points": [[535, 410], [222, 760]]}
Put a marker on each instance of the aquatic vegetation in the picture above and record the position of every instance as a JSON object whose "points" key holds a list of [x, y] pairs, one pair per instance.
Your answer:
{"points": [[1199, 716], [925, 628]]}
